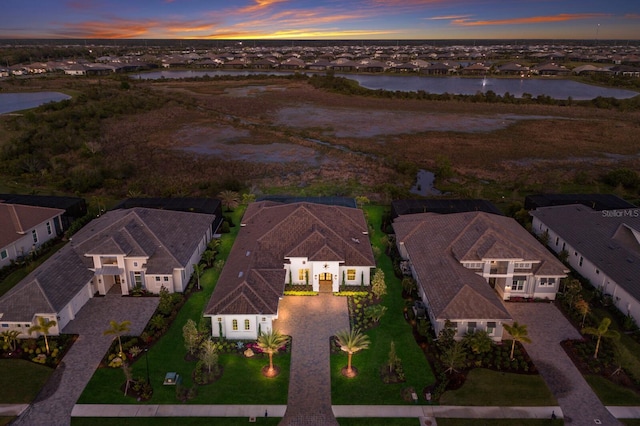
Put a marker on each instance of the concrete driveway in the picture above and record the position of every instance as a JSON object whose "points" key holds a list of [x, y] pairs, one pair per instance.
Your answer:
{"points": [[311, 321], [53, 405], [547, 327]]}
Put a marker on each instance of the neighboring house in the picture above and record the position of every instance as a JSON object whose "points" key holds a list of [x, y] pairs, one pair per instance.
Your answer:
{"points": [[465, 263], [299, 243], [602, 246], [74, 207], [23, 229], [115, 253], [595, 201]]}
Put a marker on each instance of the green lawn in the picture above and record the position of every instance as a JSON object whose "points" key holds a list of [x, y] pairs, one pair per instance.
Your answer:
{"points": [[610, 393], [241, 380], [21, 380], [487, 387], [367, 387]]}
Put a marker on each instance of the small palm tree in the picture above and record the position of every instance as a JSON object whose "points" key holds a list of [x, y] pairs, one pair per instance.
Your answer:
{"points": [[229, 199], [118, 329], [600, 332], [270, 342], [208, 256], [10, 337], [518, 333], [352, 341], [583, 308], [42, 327]]}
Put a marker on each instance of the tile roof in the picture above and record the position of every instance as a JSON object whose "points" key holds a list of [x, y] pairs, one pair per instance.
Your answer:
{"points": [[17, 219], [437, 244], [168, 237], [608, 239], [253, 278]]}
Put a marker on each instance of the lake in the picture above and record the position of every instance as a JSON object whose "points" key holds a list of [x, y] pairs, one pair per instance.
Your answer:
{"points": [[10, 102], [552, 87]]}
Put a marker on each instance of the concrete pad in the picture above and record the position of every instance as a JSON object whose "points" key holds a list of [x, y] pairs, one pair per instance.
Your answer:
{"points": [[620, 412], [10, 410], [146, 410], [361, 411]]}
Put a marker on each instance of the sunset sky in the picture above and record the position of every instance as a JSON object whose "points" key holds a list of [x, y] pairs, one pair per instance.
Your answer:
{"points": [[321, 19]]}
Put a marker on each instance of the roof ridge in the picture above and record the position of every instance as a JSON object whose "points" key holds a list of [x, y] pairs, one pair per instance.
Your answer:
{"points": [[13, 214]]}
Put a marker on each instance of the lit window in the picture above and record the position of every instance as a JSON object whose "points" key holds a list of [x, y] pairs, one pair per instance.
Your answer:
{"points": [[234, 325], [351, 274], [303, 274], [219, 319], [247, 325]]}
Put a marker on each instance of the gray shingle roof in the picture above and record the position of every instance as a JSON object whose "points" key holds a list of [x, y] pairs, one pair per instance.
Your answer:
{"points": [[609, 241], [437, 244], [253, 278], [169, 237]]}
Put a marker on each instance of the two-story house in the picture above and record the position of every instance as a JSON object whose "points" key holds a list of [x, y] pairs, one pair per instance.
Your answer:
{"points": [[466, 264]]}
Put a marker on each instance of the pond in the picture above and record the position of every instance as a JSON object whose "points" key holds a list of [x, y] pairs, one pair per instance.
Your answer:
{"points": [[10, 102], [555, 88]]}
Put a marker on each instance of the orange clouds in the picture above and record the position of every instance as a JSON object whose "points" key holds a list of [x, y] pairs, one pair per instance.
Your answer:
{"points": [[529, 20], [260, 5], [120, 28]]}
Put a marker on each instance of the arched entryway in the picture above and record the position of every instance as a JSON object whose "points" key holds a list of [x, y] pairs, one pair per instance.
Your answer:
{"points": [[325, 280]]}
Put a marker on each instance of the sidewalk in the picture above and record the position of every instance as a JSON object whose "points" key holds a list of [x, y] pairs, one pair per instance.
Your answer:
{"points": [[340, 411]]}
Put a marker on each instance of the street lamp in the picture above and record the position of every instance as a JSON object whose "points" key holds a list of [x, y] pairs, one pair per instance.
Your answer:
{"points": [[146, 357]]}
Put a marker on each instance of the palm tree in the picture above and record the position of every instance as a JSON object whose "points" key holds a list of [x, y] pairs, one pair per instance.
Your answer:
{"points": [[208, 256], [229, 199], [454, 357], [352, 341], [518, 333], [42, 327], [118, 329], [198, 270], [270, 342], [10, 337], [600, 332]]}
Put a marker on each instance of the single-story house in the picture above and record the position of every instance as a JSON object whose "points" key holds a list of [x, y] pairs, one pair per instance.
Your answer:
{"points": [[115, 253], [602, 246], [324, 246], [23, 229], [466, 264]]}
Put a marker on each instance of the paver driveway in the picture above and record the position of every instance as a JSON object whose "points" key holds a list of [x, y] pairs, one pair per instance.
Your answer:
{"points": [[547, 327], [56, 400], [311, 321]]}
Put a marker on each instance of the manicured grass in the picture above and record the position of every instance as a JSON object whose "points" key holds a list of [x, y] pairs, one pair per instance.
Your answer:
{"points": [[367, 387], [21, 380], [499, 422], [611, 393], [240, 383], [487, 387]]}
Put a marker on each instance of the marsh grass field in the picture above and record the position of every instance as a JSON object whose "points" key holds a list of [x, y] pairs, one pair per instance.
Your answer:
{"points": [[120, 137]]}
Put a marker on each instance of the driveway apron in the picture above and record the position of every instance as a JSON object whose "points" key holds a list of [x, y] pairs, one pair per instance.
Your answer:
{"points": [[311, 321], [55, 401], [547, 327]]}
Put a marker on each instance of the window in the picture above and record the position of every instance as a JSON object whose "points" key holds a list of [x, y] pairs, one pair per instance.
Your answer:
{"points": [[135, 264], [471, 327], [557, 241], [547, 282], [234, 325], [219, 319], [34, 234], [522, 265], [303, 274], [3, 254], [49, 228], [157, 278], [166, 279], [351, 274], [5, 325], [473, 265], [581, 259], [247, 325], [137, 279], [518, 283], [597, 271], [564, 245], [491, 328]]}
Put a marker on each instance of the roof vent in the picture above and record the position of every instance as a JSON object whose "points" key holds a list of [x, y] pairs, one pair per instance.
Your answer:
{"points": [[248, 253], [240, 274], [630, 260], [355, 240]]}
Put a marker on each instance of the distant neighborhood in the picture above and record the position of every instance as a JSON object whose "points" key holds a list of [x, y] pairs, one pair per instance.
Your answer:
{"points": [[428, 59]]}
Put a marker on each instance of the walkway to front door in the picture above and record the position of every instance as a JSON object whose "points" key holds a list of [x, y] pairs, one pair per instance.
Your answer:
{"points": [[326, 282], [311, 321]]}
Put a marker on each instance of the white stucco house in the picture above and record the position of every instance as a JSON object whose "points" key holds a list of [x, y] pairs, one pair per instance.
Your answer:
{"points": [[466, 264], [602, 246], [23, 229], [115, 253], [324, 246]]}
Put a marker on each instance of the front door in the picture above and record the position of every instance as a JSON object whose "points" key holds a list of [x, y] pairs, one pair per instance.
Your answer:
{"points": [[326, 282]]}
